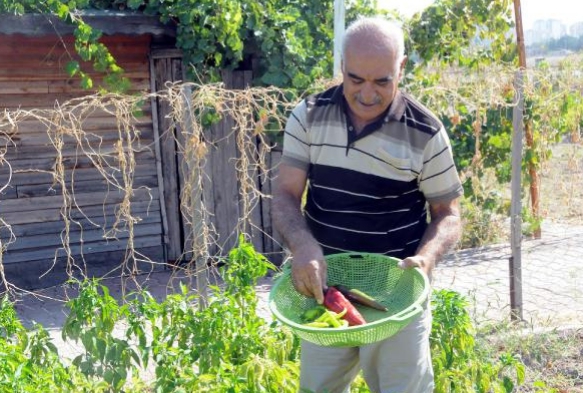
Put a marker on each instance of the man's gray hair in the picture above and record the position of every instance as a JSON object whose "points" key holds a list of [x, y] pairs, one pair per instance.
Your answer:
{"points": [[385, 32]]}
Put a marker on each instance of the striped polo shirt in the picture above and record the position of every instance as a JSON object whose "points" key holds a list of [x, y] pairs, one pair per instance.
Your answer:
{"points": [[368, 192]]}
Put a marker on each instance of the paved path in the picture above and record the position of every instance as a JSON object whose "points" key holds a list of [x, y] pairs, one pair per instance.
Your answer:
{"points": [[552, 286], [552, 279]]}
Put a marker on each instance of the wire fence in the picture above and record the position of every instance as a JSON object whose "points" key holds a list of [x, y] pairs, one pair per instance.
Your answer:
{"points": [[552, 278]]}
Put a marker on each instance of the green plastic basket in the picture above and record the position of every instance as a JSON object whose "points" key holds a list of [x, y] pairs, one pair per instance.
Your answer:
{"points": [[403, 292]]}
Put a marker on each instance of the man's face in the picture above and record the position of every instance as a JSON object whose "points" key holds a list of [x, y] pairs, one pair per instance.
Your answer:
{"points": [[370, 81]]}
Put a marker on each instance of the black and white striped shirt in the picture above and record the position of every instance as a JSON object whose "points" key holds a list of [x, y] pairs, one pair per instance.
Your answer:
{"points": [[368, 192]]}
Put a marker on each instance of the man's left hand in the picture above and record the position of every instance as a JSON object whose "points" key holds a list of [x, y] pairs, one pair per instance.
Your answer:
{"points": [[419, 261]]}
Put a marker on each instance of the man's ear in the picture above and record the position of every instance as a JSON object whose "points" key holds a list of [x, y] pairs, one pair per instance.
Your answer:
{"points": [[402, 66]]}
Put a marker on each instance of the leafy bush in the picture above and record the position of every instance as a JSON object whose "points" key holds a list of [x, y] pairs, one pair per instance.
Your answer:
{"points": [[483, 220], [224, 347], [459, 363], [29, 361]]}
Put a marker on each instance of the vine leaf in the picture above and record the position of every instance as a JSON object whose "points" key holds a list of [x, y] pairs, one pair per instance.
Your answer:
{"points": [[72, 68]]}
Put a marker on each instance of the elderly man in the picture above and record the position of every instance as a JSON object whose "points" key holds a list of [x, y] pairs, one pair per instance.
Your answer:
{"points": [[376, 163]]}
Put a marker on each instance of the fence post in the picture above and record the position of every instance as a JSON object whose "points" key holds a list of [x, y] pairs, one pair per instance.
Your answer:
{"points": [[515, 263], [198, 218], [534, 182]]}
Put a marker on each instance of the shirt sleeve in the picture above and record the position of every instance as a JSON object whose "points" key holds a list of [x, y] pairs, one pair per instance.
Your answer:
{"points": [[296, 143], [439, 178]]}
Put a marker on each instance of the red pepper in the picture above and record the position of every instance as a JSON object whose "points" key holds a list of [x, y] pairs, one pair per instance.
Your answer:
{"points": [[335, 301]]}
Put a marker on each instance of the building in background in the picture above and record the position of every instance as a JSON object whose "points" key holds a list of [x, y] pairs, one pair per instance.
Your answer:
{"points": [[545, 30], [576, 29]]}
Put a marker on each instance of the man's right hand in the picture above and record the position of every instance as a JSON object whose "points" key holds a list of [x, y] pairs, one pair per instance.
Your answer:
{"points": [[309, 272], [308, 264]]}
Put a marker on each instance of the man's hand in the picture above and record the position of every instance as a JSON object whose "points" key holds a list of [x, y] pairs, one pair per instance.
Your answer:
{"points": [[425, 264], [309, 272], [441, 234], [308, 264]]}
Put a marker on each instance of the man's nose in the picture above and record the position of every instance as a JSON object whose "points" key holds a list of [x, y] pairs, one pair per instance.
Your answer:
{"points": [[368, 92]]}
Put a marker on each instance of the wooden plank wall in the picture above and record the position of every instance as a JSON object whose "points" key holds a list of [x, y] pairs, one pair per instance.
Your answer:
{"points": [[166, 66], [32, 75], [223, 196], [272, 240]]}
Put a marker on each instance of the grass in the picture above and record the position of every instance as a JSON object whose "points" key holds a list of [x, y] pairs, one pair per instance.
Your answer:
{"points": [[561, 178], [552, 358]]}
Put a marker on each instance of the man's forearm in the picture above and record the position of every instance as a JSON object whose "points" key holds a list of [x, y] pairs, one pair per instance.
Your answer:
{"points": [[290, 222], [440, 237], [308, 268]]}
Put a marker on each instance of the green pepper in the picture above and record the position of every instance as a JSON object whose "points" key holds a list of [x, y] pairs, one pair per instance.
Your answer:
{"points": [[312, 314], [331, 318], [317, 324]]}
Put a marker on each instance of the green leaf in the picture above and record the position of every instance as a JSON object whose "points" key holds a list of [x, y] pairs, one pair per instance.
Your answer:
{"points": [[100, 347], [135, 4], [62, 11], [86, 82], [73, 68]]}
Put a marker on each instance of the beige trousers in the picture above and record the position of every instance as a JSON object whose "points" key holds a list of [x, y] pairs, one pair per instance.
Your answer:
{"points": [[399, 364]]}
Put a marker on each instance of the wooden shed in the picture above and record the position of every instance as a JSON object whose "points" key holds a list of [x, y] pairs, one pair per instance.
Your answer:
{"points": [[63, 205], [36, 215]]}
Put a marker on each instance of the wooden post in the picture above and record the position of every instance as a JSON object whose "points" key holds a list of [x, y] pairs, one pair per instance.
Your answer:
{"points": [[515, 267], [249, 204], [272, 241], [198, 218], [158, 155], [534, 182], [168, 151]]}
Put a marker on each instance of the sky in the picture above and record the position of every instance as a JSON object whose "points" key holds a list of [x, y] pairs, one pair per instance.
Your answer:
{"points": [[567, 11]]}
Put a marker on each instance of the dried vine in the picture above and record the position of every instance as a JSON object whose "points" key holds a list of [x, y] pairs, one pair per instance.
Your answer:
{"points": [[251, 111]]}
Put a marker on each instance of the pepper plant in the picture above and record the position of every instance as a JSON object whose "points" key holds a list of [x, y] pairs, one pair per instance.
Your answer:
{"points": [[222, 347], [226, 347], [29, 361], [460, 365]]}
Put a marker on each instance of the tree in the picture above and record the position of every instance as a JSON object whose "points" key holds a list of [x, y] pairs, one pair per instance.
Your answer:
{"points": [[463, 33], [288, 43]]}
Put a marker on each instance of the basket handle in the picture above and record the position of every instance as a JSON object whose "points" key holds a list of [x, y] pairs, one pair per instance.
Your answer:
{"points": [[406, 314]]}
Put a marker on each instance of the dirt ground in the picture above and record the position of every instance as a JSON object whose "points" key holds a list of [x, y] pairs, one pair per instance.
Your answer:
{"points": [[556, 361]]}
